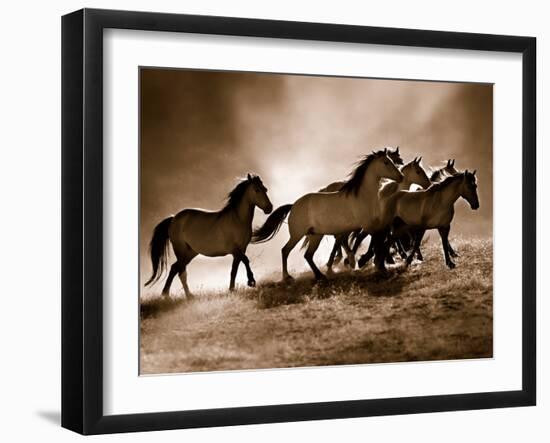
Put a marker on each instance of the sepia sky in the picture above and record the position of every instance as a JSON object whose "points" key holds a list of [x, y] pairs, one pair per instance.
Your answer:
{"points": [[201, 130]]}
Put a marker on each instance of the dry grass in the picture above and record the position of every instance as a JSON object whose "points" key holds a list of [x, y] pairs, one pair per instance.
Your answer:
{"points": [[426, 312]]}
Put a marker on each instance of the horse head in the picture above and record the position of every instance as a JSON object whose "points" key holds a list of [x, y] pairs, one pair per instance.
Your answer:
{"points": [[385, 167], [257, 193], [415, 173], [468, 189], [395, 156], [449, 168]]}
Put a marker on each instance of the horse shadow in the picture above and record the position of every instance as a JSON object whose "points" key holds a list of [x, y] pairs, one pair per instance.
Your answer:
{"points": [[354, 283]]}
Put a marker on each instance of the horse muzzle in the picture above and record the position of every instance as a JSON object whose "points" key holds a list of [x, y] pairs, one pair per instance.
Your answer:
{"points": [[475, 206], [268, 210]]}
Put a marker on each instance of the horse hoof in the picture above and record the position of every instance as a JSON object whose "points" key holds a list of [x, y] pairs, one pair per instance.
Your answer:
{"points": [[231, 288], [321, 278], [451, 265], [288, 279], [362, 261], [252, 283]]}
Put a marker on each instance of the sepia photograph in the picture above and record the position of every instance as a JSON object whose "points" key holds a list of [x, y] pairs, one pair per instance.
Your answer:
{"points": [[294, 221]]}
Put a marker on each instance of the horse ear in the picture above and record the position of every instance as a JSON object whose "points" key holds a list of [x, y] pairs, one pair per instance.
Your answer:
{"points": [[385, 150], [419, 159], [453, 162], [249, 177], [449, 162], [397, 150], [474, 173]]}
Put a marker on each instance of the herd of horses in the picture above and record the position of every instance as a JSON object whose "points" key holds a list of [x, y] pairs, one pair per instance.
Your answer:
{"points": [[378, 199]]}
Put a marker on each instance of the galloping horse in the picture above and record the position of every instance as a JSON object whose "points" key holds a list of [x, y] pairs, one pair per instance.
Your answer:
{"points": [[413, 173], [433, 208], [336, 254], [437, 176], [405, 241], [214, 234], [317, 214]]}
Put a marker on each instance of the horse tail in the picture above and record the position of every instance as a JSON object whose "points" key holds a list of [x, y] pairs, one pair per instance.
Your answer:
{"points": [[158, 249], [272, 225]]}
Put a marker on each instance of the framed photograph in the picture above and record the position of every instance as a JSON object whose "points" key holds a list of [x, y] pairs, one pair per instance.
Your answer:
{"points": [[268, 221]]}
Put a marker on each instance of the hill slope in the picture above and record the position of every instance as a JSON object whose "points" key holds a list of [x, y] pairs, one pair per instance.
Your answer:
{"points": [[426, 312]]}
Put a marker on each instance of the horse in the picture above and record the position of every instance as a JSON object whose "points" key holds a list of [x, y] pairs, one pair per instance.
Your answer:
{"points": [[441, 173], [413, 173], [433, 208], [336, 253], [210, 233], [437, 176], [405, 241], [317, 214]]}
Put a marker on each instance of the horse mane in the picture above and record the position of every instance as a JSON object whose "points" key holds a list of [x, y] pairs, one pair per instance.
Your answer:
{"points": [[353, 183], [446, 182], [438, 173], [236, 194]]}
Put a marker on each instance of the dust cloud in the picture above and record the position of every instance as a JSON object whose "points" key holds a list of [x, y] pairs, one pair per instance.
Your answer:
{"points": [[202, 130]]}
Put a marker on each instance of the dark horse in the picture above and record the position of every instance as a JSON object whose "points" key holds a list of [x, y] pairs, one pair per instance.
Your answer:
{"points": [[214, 234]]}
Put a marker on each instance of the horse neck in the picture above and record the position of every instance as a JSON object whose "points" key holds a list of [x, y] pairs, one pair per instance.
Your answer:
{"points": [[450, 193], [369, 187], [405, 184], [245, 211]]}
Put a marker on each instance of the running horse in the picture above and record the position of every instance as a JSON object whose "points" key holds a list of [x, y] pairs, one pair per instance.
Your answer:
{"points": [[336, 253], [432, 208], [413, 173], [210, 233], [354, 206], [404, 243]]}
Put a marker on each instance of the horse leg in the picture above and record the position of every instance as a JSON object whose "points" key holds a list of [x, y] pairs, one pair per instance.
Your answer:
{"points": [[249, 274], [381, 249], [290, 244], [419, 255], [364, 259], [184, 257], [360, 236], [400, 249], [452, 252], [234, 269], [333, 253], [417, 239], [174, 270], [444, 233], [389, 256], [347, 249], [314, 241], [337, 251]]}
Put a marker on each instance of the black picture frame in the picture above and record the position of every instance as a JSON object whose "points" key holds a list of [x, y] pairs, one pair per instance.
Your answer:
{"points": [[82, 218]]}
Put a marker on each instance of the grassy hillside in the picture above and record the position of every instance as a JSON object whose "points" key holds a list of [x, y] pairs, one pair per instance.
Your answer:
{"points": [[426, 312]]}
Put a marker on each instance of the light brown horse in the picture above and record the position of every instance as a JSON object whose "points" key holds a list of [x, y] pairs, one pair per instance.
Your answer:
{"points": [[413, 173], [317, 214], [336, 253], [432, 208], [213, 234]]}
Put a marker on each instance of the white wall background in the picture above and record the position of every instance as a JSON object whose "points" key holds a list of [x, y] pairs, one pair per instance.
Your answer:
{"points": [[30, 218]]}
